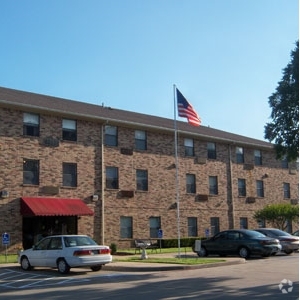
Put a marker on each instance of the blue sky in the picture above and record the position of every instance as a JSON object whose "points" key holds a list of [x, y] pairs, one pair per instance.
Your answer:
{"points": [[225, 56]]}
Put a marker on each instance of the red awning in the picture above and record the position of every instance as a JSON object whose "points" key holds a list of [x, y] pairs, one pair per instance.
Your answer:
{"points": [[41, 206]]}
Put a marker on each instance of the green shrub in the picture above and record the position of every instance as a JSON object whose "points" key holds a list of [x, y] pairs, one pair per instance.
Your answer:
{"points": [[173, 243], [113, 248]]}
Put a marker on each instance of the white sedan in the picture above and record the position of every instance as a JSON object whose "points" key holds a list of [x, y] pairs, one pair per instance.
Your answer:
{"points": [[64, 252]]}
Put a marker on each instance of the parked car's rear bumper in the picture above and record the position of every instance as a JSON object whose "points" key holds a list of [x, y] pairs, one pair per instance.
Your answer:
{"points": [[263, 251], [290, 246], [87, 261]]}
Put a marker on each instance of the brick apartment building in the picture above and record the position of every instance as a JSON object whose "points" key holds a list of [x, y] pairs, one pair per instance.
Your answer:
{"points": [[73, 167]]}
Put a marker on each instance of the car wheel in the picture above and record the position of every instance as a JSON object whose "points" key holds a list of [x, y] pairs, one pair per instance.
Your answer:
{"points": [[202, 252], [96, 268], [288, 252], [244, 252], [62, 266], [25, 264]]}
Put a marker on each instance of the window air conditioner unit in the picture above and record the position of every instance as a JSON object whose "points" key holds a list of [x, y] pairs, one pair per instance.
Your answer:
{"points": [[294, 201], [126, 151], [250, 200], [200, 160], [202, 197], [126, 193], [248, 166]]}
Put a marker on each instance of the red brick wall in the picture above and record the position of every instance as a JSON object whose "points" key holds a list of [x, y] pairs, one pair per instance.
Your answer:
{"points": [[159, 160]]}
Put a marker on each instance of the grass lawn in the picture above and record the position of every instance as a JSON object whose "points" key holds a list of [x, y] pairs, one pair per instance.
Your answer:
{"points": [[10, 258], [171, 260], [129, 255]]}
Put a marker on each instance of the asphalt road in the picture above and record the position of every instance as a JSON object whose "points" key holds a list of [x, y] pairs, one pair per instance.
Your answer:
{"points": [[270, 278]]}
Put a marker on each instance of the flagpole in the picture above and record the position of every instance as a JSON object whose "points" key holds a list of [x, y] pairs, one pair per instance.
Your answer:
{"points": [[176, 167]]}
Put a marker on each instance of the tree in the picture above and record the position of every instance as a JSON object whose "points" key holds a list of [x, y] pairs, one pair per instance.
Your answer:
{"points": [[278, 214], [284, 128]]}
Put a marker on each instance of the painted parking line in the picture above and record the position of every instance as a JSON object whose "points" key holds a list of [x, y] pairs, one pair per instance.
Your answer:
{"points": [[19, 280]]}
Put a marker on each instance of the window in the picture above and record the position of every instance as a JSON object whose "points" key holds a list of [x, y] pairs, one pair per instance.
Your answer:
{"points": [[31, 124], [188, 147], [154, 224], [243, 223], [111, 135], [239, 152], [257, 158], [233, 235], [286, 190], [43, 245], [190, 183], [213, 185], [140, 140], [261, 223], [215, 225], [142, 180], [259, 188], [69, 130], [284, 163], [242, 187], [211, 151], [112, 178], [55, 243], [125, 227], [31, 171], [192, 226], [221, 236], [70, 174]]}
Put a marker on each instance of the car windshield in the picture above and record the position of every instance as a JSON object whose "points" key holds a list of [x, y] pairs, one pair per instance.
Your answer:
{"points": [[71, 241], [254, 234]]}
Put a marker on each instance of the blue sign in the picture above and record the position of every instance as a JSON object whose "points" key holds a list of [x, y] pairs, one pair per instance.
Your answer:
{"points": [[5, 239], [160, 234], [207, 232]]}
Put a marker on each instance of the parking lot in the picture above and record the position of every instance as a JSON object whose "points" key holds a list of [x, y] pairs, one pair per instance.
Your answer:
{"points": [[15, 278], [258, 278]]}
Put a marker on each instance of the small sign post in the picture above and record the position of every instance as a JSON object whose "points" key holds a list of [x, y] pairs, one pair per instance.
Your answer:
{"points": [[5, 242], [160, 235]]}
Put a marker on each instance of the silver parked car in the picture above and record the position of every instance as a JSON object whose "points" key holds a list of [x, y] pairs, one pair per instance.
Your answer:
{"points": [[289, 243], [64, 252]]}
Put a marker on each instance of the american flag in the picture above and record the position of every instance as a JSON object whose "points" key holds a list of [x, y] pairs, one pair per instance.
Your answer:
{"points": [[186, 110]]}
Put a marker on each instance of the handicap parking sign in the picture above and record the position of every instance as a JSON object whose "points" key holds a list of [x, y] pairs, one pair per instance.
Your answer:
{"points": [[160, 234], [5, 238], [207, 232]]}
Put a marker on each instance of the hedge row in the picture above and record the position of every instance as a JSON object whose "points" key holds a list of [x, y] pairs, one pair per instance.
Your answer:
{"points": [[173, 243]]}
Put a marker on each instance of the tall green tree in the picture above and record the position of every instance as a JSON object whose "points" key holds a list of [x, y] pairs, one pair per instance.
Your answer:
{"points": [[284, 128], [278, 215]]}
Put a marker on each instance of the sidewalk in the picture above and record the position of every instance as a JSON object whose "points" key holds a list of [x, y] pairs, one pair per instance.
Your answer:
{"points": [[144, 266]]}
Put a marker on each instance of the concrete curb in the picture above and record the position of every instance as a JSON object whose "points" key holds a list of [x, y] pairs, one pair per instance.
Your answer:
{"points": [[148, 267]]}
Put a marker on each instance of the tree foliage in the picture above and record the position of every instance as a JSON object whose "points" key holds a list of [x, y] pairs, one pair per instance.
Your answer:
{"points": [[278, 214], [284, 128]]}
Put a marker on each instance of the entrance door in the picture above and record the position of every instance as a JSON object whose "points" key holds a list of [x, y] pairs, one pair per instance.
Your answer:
{"points": [[35, 228]]}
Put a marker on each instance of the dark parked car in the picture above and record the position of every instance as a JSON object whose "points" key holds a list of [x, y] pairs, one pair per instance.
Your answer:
{"points": [[240, 242], [289, 243]]}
